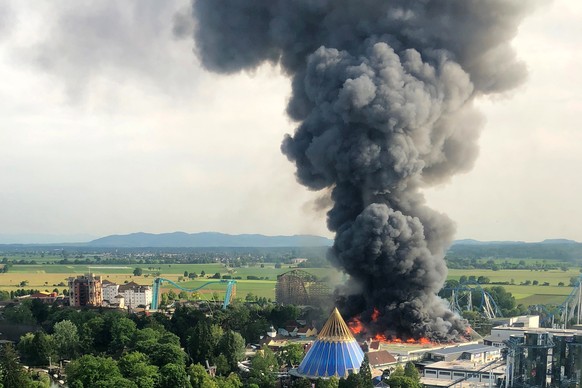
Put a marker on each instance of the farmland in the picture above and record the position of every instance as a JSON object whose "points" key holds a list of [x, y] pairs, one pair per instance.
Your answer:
{"points": [[47, 277], [47, 274]]}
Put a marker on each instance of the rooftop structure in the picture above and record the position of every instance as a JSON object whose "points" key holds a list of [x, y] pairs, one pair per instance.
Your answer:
{"points": [[471, 352], [334, 353]]}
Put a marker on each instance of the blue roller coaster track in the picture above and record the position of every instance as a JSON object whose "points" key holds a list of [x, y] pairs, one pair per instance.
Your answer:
{"points": [[230, 286], [461, 299]]}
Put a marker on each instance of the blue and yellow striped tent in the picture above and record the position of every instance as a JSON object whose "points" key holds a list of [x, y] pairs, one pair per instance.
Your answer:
{"points": [[334, 353]]}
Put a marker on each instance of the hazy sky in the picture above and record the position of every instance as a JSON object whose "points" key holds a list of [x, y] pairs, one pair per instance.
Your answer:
{"points": [[109, 126]]}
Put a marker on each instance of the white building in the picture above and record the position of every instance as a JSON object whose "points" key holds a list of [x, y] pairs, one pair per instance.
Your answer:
{"points": [[136, 295], [110, 291]]}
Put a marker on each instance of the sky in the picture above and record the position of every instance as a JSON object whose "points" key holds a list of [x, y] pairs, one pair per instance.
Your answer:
{"points": [[108, 125]]}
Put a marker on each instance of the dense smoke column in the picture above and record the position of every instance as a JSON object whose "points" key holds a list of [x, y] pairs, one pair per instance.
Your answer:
{"points": [[382, 93]]}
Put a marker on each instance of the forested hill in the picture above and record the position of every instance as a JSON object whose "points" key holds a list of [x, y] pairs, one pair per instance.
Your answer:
{"points": [[557, 249], [207, 239]]}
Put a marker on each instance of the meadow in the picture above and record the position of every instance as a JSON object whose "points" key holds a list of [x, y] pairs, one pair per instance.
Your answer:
{"points": [[48, 276]]}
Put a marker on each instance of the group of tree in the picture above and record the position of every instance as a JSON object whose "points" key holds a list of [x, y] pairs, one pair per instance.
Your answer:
{"points": [[407, 377], [13, 374], [111, 349]]}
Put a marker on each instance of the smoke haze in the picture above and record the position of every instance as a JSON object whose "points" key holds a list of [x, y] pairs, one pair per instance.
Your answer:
{"points": [[382, 93]]}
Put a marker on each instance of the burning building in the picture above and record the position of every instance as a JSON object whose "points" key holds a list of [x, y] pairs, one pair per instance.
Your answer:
{"points": [[383, 100], [335, 352]]}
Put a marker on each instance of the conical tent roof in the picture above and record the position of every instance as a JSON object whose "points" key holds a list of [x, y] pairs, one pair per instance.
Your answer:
{"points": [[335, 352]]}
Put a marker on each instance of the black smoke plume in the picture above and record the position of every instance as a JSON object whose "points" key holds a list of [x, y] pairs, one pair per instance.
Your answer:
{"points": [[383, 96]]}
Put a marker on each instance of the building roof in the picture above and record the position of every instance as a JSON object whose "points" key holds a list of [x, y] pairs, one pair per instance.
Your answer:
{"points": [[381, 357], [334, 353], [472, 348]]}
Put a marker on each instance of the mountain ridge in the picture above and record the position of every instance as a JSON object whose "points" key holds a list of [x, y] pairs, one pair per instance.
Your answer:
{"points": [[206, 239]]}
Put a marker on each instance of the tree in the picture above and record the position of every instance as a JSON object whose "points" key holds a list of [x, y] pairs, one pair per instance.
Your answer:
{"points": [[173, 376], [201, 342], [232, 381], [137, 272], [44, 348], [161, 354], [216, 275], [292, 354], [200, 378], [13, 375], [411, 371], [91, 371], [95, 335], [26, 348], [222, 366], [365, 373], [66, 339], [122, 332], [263, 367], [505, 300], [39, 310], [185, 274], [20, 314], [403, 382], [332, 382], [282, 314], [135, 367], [232, 346], [302, 383], [36, 348], [399, 379]]}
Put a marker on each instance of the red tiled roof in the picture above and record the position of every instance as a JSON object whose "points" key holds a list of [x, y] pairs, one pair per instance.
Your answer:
{"points": [[381, 357]]}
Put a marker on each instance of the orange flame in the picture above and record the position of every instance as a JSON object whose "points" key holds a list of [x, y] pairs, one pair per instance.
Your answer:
{"points": [[411, 341], [375, 315], [355, 326]]}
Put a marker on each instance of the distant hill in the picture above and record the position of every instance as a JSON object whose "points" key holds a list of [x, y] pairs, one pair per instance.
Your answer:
{"points": [[551, 249], [207, 239]]}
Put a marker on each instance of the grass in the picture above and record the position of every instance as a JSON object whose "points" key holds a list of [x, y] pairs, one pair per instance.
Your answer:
{"points": [[48, 276], [527, 295], [518, 275]]}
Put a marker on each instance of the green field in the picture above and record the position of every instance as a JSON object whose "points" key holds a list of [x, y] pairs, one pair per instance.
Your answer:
{"points": [[48, 276], [530, 294]]}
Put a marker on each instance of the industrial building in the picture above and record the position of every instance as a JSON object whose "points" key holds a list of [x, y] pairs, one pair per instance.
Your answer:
{"points": [[85, 290], [539, 357], [472, 363]]}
